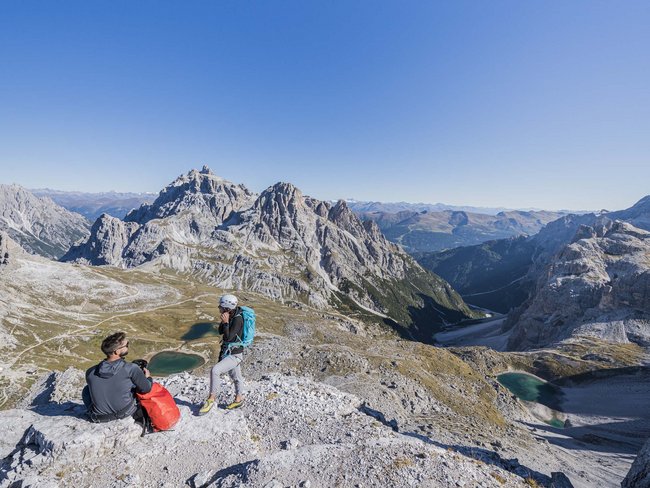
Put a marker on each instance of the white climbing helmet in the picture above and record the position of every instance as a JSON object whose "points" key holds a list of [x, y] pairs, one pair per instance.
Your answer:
{"points": [[228, 301]]}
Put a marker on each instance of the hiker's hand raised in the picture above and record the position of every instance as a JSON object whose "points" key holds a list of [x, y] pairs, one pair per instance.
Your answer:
{"points": [[225, 317], [146, 372]]}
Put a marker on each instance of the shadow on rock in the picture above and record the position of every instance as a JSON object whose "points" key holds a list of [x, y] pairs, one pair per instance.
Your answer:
{"points": [[213, 479], [65, 409], [613, 437], [556, 480]]}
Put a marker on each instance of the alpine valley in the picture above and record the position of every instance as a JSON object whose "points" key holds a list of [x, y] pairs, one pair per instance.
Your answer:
{"points": [[368, 369]]}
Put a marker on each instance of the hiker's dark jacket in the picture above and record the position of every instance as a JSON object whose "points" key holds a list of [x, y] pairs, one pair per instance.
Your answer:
{"points": [[112, 386], [232, 331]]}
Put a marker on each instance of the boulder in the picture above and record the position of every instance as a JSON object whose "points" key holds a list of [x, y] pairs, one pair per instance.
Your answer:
{"points": [[639, 474]]}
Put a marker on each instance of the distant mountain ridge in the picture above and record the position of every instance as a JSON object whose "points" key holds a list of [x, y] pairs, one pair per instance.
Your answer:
{"points": [[580, 275], [395, 207], [280, 243], [426, 231], [92, 205], [39, 225]]}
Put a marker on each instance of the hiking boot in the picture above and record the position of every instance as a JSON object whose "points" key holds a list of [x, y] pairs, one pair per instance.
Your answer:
{"points": [[207, 405], [234, 405]]}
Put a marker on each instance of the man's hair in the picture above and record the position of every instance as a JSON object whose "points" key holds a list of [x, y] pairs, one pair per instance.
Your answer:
{"points": [[112, 342]]}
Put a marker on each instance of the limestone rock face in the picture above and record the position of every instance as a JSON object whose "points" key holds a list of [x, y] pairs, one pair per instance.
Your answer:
{"points": [[598, 285], [327, 236], [201, 191], [108, 237], [639, 474], [39, 225], [280, 243]]}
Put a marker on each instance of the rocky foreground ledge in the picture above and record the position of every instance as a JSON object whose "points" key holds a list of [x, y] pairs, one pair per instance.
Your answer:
{"points": [[639, 475], [291, 432]]}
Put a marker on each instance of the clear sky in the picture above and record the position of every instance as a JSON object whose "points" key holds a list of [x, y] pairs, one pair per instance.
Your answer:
{"points": [[492, 103]]}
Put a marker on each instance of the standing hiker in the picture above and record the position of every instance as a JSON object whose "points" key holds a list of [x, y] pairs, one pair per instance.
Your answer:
{"points": [[113, 382], [231, 355]]}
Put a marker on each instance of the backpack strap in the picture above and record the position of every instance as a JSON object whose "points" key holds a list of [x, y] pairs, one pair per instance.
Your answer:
{"points": [[238, 343]]}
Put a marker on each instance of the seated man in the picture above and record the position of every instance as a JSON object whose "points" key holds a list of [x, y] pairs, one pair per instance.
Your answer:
{"points": [[113, 382]]}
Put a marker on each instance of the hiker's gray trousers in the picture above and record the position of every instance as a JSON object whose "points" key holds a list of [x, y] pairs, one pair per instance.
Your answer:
{"points": [[230, 365]]}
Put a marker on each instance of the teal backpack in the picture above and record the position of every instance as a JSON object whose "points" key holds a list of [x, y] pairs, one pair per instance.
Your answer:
{"points": [[248, 314]]}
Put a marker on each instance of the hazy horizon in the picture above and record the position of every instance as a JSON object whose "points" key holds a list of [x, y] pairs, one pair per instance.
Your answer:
{"points": [[523, 208]]}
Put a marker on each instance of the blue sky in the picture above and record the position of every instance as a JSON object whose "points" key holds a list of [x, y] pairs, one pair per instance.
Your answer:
{"points": [[509, 103]]}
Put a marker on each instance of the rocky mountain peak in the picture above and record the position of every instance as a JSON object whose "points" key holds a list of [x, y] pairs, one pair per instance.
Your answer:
{"points": [[39, 225], [620, 227], [642, 205], [284, 213], [197, 191], [342, 216], [280, 198], [598, 228]]}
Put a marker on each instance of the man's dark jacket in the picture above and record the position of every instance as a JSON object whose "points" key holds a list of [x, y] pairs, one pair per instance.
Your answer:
{"points": [[112, 386]]}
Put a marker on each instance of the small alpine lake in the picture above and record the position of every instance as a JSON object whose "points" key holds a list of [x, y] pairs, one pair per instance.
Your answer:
{"points": [[531, 389], [200, 330], [169, 362]]}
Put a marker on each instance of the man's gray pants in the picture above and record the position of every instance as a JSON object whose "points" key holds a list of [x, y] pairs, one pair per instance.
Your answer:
{"points": [[230, 365]]}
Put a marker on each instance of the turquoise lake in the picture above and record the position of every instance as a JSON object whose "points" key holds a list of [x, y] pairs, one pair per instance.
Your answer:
{"points": [[170, 362], [531, 389]]}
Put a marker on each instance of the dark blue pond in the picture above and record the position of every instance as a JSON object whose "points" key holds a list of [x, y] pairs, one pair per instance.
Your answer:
{"points": [[199, 330]]}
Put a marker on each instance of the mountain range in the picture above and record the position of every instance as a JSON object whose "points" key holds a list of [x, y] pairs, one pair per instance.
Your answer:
{"points": [[281, 243], [92, 205], [396, 207], [427, 231], [418, 227]]}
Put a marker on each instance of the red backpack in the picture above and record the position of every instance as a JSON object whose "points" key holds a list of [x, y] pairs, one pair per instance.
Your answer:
{"points": [[160, 406]]}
